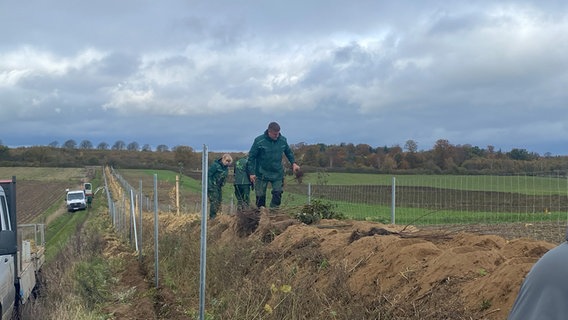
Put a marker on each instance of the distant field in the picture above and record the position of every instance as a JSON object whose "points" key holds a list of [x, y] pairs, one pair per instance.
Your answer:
{"points": [[532, 185], [43, 174]]}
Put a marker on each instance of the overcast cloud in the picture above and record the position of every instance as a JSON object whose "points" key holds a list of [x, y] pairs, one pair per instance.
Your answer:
{"points": [[217, 72]]}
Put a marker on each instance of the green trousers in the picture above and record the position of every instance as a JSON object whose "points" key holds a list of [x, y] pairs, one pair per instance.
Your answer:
{"points": [[260, 188], [242, 193], [215, 198]]}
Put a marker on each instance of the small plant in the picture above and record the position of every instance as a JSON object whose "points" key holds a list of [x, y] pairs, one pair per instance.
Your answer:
{"points": [[317, 210], [293, 271], [485, 304], [279, 295], [322, 177], [324, 264]]}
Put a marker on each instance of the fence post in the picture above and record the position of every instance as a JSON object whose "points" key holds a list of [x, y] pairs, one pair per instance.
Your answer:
{"points": [[232, 209], [156, 252], [204, 215], [133, 220], [393, 202], [140, 212], [177, 194]]}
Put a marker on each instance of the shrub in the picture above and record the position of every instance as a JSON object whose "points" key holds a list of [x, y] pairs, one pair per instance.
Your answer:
{"points": [[317, 210]]}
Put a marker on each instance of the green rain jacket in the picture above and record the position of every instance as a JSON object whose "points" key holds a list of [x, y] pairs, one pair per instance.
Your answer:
{"points": [[216, 175], [265, 157], [544, 291], [241, 172]]}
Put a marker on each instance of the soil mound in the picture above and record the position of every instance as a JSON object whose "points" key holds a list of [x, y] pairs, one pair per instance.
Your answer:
{"points": [[422, 274]]}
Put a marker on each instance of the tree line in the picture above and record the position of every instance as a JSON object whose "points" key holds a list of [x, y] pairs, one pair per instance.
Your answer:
{"points": [[118, 145], [442, 158]]}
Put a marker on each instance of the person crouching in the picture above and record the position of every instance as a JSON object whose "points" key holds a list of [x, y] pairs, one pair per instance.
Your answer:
{"points": [[216, 176]]}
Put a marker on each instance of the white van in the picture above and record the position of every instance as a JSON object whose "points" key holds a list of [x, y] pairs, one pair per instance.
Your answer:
{"points": [[75, 200], [7, 290], [88, 188]]}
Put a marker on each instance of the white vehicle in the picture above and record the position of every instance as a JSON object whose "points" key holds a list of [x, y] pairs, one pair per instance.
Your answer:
{"points": [[22, 251], [88, 188], [75, 200]]}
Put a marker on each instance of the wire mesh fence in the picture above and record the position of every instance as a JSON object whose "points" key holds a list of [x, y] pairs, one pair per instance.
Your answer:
{"points": [[532, 205], [529, 205]]}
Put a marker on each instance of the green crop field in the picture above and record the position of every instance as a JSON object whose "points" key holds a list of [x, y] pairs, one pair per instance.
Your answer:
{"points": [[518, 184], [437, 199]]}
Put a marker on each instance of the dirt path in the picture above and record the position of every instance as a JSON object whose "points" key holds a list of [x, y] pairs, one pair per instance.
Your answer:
{"points": [[59, 212]]}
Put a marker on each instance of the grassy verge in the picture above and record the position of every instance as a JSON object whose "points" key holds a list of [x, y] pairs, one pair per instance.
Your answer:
{"points": [[77, 279], [61, 230]]}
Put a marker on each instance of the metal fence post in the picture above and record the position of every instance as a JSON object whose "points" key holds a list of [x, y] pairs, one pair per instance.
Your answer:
{"points": [[133, 220], [393, 200], [140, 212], [309, 193], [204, 215], [156, 251]]}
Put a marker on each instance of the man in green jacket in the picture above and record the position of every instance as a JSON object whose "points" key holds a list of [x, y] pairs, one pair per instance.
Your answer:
{"points": [[242, 184], [265, 164], [544, 290], [216, 176]]}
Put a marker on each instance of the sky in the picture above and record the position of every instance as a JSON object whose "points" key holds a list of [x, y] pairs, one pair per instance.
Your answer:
{"points": [[215, 73]]}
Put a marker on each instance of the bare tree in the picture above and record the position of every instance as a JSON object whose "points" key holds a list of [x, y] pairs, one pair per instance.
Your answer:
{"points": [[411, 146], [119, 145], [146, 148], [70, 144], [86, 145], [102, 146], [133, 146], [162, 148]]}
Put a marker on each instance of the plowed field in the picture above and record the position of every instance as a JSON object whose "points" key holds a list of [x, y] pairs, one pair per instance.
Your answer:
{"points": [[40, 188]]}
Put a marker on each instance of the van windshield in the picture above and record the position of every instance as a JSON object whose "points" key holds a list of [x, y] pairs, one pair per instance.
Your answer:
{"points": [[75, 196]]}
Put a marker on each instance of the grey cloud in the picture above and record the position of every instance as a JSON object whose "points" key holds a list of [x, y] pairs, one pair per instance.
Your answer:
{"points": [[117, 65], [444, 23], [334, 71]]}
